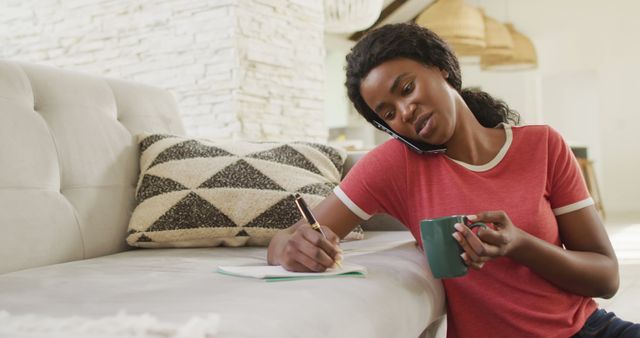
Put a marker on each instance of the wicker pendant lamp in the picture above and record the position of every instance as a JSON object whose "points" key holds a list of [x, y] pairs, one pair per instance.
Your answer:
{"points": [[498, 39], [459, 24], [524, 54], [349, 16]]}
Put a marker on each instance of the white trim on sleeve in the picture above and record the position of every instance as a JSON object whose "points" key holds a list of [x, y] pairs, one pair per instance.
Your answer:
{"points": [[349, 203], [573, 207]]}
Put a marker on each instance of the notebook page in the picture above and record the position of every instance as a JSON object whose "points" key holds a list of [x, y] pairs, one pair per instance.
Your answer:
{"points": [[277, 271]]}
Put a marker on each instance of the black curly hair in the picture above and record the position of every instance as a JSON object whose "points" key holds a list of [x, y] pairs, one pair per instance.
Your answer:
{"points": [[408, 40]]}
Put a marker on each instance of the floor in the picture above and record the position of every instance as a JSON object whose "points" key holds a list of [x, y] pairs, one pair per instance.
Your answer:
{"points": [[624, 232]]}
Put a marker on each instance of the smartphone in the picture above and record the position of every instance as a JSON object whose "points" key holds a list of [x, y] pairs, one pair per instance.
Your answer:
{"points": [[419, 147]]}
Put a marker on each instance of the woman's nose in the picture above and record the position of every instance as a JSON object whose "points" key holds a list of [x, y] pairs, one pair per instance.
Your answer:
{"points": [[407, 112]]}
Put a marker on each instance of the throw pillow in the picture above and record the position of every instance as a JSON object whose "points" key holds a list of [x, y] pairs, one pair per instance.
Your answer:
{"points": [[195, 193]]}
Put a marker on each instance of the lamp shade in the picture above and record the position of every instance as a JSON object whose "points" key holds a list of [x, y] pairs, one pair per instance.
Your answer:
{"points": [[498, 39], [460, 25], [524, 54], [348, 16]]}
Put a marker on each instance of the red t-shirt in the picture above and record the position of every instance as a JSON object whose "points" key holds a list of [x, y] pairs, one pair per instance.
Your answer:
{"points": [[533, 178]]}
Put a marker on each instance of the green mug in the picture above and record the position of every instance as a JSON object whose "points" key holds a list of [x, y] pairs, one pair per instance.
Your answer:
{"points": [[442, 250]]}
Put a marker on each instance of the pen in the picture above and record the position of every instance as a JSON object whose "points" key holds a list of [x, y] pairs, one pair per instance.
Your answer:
{"points": [[308, 216]]}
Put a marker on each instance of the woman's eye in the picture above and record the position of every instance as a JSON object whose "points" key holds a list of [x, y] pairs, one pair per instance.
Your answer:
{"points": [[408, 88], [389, 115]]}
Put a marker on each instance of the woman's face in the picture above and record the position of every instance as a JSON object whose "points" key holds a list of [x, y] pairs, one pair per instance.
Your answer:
{"points": [[414, 100]]}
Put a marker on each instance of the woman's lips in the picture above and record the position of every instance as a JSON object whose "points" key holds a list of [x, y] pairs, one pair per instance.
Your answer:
{"points": [[424, 124]]}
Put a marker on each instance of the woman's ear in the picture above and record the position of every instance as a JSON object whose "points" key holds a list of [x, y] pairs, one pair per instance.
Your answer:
{"points": [[445, 74]]}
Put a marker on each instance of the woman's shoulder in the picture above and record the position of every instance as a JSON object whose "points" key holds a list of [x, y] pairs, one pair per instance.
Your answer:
{"points": [[532, 128], [390, 147], [536, 131], [390, 153], [539, 135]]}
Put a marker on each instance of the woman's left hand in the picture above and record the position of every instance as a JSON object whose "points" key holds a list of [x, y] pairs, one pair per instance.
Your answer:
{"points": [[488, 243]]}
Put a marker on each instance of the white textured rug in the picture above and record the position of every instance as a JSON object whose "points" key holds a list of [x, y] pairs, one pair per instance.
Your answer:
{"points": [[122, 325]]}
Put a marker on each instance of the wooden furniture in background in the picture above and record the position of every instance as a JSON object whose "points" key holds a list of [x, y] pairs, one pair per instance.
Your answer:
{"points": [[589, 174], [586, 166]]}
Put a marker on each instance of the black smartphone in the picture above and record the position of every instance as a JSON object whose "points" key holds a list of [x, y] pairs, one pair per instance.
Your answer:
{"points": [[419, 147]]}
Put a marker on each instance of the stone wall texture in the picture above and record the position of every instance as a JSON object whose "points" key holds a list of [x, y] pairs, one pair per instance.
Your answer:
{"points": [[240, 69]]}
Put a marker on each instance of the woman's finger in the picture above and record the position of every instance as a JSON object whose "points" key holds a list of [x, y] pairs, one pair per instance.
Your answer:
{"points": [[331, 236], [489, 250], [498, 218], [292, 265], [306, 259], [335, 250], [474, 242], [475, 264], [492, 237], [328, 245], [314, 252], [468, 250]]}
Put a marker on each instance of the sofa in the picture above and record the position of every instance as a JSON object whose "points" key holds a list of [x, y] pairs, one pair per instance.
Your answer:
{"points": [[69, 166]]}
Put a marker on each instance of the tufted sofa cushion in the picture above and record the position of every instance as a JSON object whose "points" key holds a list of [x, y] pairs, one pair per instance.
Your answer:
{"points": [[69, 161]]}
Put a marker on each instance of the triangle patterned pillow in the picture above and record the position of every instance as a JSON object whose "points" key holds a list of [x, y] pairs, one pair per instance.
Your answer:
{"points": [[199, 193]]}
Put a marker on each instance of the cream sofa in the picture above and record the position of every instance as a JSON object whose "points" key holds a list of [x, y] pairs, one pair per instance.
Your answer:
{"points": [[69, 164]]}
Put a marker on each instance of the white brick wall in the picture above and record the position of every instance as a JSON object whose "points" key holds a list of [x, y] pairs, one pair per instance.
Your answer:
{"points": [[243, 69]]}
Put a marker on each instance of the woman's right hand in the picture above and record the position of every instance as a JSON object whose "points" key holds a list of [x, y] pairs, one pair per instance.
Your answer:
{"points": [[303, 249], [300, 248]]}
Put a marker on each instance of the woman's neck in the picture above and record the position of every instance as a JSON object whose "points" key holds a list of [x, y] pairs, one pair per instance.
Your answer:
{"points": [[473, 143]]}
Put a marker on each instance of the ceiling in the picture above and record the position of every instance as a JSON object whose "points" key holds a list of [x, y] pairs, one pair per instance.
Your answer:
{"points": [[395, 11]]}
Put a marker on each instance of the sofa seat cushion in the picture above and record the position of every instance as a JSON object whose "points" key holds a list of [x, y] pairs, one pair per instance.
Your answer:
{"points": [[397, 298], [198, 193]]}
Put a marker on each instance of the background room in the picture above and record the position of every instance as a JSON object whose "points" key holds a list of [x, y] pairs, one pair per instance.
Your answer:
{"points": [[274, 70]]}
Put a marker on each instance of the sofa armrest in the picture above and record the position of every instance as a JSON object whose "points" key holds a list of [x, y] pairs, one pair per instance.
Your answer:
{"points": [[380, 222], [352, 158]]}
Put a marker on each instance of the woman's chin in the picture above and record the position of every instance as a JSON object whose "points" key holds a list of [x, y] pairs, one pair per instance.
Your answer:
{"points": [[436, 141]]}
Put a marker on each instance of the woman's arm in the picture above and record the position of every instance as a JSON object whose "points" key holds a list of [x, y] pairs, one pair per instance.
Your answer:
{"points": [[300, 248], [586, 266]]}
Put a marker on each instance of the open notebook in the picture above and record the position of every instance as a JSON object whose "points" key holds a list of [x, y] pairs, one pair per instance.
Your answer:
{"points": [[274, 273]]}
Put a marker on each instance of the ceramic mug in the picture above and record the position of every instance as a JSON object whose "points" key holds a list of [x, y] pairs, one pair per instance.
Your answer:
{"points": [[442, 250]]}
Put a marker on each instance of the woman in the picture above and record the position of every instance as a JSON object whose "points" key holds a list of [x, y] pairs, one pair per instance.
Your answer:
{"points": [[547, 253]]}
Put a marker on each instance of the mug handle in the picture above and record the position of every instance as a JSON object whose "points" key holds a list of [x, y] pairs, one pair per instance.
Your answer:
{"points": [[473, 225]]}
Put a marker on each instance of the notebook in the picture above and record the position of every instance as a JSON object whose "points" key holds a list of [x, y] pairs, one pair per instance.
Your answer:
{"points": [[275, 273]]}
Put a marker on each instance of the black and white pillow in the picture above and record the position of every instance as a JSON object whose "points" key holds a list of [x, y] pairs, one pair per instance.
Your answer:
{"points": [[194, 193]]}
